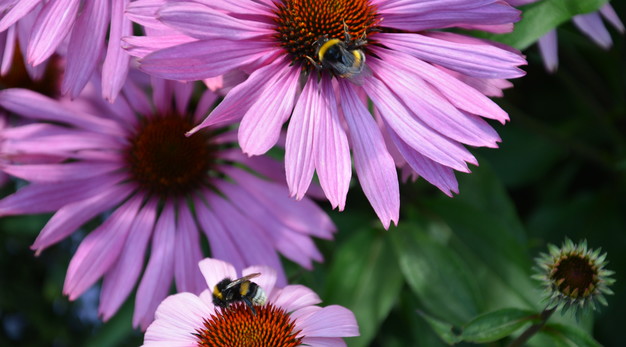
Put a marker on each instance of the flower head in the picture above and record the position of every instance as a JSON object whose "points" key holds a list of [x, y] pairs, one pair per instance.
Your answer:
{"points": [[289, 318], [574, 276], [76, 28], [320, 63], [158, 188]]}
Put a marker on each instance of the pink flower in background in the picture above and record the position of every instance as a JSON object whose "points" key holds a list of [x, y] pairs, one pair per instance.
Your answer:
{"points": [[290, 317], [589, 24], [425, 114], [77, 29], [158, 189]]}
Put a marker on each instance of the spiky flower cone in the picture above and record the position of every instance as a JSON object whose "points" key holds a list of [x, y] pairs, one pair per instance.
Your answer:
{"points": [[574, 277]]}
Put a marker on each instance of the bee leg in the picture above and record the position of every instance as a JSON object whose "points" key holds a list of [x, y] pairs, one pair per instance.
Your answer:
{"points": [[249, 303], [346, 32], [315, 64]]}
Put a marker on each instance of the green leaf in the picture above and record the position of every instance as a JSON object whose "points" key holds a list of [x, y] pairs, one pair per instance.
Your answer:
{"points": [[364, 277], [495, 325], [437, 275], [570, 335], [543, 16], [445, 330], [487, 230]]}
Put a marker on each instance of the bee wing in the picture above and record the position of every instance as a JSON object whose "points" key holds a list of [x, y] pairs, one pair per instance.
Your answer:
{"points": [[242, 279]]}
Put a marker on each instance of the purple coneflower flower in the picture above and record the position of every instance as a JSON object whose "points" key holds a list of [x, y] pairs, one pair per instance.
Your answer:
{"points": [[160, 189], [75, 28], [289, 318], [424, 113], [589, 24]]}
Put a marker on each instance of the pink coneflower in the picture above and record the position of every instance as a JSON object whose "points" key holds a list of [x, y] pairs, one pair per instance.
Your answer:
{"points": [[426, 114], [131, 161], [75, 28], [589, 24], [289, 318]]}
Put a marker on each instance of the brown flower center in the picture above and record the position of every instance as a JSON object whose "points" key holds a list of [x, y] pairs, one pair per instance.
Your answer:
{"points": [[17, 77], [237, 326], [301, 23], [575, 276], [166, 162]]}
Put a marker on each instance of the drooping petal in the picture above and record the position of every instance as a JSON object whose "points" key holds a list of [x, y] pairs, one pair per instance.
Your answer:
{"points": [[374, 165], [60, 172], [52, 25], [159, 272], [204, 23], [121, 279], [187, 253], [548, 47], [116, 62], [17, 11], [591, 25], [261, 125], [99, 250], [332, 162], [85, 46]]}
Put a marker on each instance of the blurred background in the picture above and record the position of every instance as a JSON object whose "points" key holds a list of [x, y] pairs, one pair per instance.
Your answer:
{"points": [[560, 172]]}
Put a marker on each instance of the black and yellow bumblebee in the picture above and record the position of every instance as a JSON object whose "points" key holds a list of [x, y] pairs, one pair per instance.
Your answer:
{"points": [[229, 291], [344, 58]]}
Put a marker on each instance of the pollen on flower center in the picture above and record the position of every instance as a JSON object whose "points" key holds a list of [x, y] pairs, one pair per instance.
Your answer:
{"points": [[237, 326], [301, 23], [166, 162]]}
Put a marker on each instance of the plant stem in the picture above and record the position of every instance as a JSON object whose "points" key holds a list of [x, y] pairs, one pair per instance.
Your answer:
{"points": [[533, 329]]}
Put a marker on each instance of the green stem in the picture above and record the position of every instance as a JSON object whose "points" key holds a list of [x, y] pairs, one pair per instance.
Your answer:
{"points": [[533, 329]]}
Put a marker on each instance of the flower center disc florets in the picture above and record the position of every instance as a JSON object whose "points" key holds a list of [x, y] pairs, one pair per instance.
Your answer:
{"points": [[302, 23], [166, 162], [237, 326], [575, 276]]}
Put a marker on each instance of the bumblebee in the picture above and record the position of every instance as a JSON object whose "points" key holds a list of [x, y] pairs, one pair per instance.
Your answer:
{"points": [[229, 291], [344, 58]]}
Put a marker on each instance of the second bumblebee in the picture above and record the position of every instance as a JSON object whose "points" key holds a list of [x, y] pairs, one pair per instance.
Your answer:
{"points": [[229, 291]]}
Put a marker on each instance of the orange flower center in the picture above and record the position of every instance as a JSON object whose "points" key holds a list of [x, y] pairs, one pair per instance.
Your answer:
{"points": [[302, 23], [237, 326]]}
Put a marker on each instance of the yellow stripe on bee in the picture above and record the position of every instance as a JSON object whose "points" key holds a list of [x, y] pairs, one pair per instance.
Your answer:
{"points": [[325, 47], [245, 287], [217, 293]]}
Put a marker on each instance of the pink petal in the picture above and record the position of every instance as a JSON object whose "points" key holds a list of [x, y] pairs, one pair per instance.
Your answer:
{"points": [[17, 11], [187, 253], [141, 46], [591, 25], [177, 318], [374, 165], [157, 277], [323, 341], [609, 14], [71, 216], [221, 244], [438, 175], [304, 216], [204, 23], [85, 46], [60, 172], [115, 67], [332, 162], [52, 25], [201, 59], [548, 47], [330, 321], [473, 58], [215, 270], [261, 125], [99, 250], [239, 100], [294, 297], [121, 279], [144, 13], [34, 105], [413, 131], [301, 140]]}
